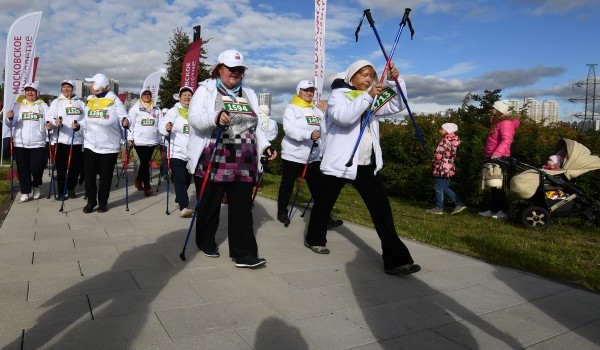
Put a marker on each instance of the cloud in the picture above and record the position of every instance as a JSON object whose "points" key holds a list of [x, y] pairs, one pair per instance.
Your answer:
{"points": [[558, 6]]}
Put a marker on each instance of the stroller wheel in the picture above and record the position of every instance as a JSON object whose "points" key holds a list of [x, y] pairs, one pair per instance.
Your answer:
{"points": [[536, 218]]}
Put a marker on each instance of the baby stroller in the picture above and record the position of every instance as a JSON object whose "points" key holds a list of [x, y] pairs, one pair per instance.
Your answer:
{"points": [[548, 193]]}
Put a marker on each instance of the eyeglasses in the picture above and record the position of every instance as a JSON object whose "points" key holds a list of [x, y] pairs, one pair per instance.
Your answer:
{"points": [[239, 70]]}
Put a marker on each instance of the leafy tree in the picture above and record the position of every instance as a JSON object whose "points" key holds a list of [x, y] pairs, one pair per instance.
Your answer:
{"points": [[169, 82]]}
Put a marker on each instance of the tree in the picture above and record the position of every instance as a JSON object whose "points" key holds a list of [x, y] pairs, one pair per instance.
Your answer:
{"points": [[169, 83]]}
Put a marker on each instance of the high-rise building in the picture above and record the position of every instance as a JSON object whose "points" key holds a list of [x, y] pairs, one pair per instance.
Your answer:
{"points": [[264, 99], [547, 111]]}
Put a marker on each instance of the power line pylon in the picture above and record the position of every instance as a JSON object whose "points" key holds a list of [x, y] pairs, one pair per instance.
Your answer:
{"points": [[590, 97]]}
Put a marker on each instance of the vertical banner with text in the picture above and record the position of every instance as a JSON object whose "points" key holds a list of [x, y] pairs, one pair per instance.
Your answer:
{"points": [[152, 83], [320, 9], [20, 52], [191, 63]]}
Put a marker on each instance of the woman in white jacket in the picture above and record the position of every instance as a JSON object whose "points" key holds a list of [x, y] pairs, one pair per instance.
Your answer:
{"points": [[103, 126], [348, 106], [29, 127], [304, 127], [222, 102], [174, 125], [143, 135], [66, 109]]}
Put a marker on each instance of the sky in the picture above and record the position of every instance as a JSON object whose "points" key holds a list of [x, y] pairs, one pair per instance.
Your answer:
{"points": [[526, 48]]}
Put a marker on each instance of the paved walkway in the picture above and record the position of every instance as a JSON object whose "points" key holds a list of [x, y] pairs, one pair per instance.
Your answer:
{"points": [[115, 281]]}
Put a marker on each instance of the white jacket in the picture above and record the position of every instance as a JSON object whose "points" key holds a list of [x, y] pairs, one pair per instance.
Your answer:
{"points": [[69, 110], [104, 135], [143, 130], [298, 125], [343, 127], [180, 133], [29, 124], [202, 121]]}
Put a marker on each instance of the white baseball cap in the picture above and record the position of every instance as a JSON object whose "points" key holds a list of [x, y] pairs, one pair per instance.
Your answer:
{"points": [[231, 58], [501, 107], [100, 81], [33, 85], [305, 84], [144, 90], [67, 81], [181, 90]]}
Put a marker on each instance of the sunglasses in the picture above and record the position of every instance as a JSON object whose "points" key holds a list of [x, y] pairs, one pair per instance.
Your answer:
{"points": [[239, 70]]}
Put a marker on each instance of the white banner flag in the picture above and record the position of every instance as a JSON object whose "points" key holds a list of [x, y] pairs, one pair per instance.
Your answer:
{"points": [[320, 6], [20, 52], [152, 83]]}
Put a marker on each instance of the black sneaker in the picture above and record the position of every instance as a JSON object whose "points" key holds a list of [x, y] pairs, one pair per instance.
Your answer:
{"points": [[283, 219], [249, 261], [102, 209], [71, 193], [212, 253], [89, 208], [333, 223], [403, 269]]}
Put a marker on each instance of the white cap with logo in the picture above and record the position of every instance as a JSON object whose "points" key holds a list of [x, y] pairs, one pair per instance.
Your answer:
{"points": [[231, 58]]}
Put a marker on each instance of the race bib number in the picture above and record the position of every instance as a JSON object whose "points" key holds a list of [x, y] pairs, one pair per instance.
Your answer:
{"points": [[386, 95], [148, 122], [98, 113], [186, 129], [73, 110], [239, 106], [31, 116], [312, 120]]}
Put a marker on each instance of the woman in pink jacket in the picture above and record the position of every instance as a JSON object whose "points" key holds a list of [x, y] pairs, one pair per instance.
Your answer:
{"points": [[497, 145]]}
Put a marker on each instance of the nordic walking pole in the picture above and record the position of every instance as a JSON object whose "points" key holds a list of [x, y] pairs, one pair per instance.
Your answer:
{"points": [[405, 20], [125, 166], [162, 159], [259, 182], [168, 169], [306, 207], [206, 176], [287, 223], [12, 175], [53, 156], [151, 160], [62, 205]]}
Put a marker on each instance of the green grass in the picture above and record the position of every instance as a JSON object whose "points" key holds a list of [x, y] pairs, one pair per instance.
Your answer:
{"points": [[568, 251]]}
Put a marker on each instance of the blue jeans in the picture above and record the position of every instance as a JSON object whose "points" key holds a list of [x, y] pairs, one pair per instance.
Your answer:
{"points": [[442, 186]]}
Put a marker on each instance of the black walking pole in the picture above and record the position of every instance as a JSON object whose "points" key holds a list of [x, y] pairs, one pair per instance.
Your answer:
{"points": [[206, 176], [287, 223], [168, 169], [53, 156], [12, 175], [125, 166], [306, 207]]}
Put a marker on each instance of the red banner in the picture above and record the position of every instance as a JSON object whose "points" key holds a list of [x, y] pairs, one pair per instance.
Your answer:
{"points": [[122, 97], [35, 64], [191, 63]]}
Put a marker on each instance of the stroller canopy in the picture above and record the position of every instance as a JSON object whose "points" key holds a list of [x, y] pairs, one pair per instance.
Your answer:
{"points": [[578, 160]]}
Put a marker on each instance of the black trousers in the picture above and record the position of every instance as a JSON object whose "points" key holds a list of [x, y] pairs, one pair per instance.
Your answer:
{"points": [[239, 219], [62, 160], [289, 173], [181, 179], [30, 167], [144, 153], [370, 187], [103, 165]]}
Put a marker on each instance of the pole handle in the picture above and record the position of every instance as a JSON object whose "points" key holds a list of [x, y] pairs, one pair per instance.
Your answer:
{"points": [[370, 18]]}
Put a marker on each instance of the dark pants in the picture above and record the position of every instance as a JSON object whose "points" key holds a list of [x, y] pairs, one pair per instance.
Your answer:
{"points": [[239, 219], [144, 153], [104, 165], [497, 200], [62, 161], [181, 181], [30, 167], [370, 187], [289, 172]]}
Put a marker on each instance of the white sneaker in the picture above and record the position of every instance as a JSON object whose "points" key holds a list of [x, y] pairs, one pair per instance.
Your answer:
{"points": [[186, 213], [486, 214], [500, 215], [24, 197], [36, 193]]}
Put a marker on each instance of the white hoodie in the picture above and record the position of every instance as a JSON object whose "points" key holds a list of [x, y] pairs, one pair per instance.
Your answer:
{"points": [[69, 110], [179, 133], [104, 135], [29, 124], [143, 130], [343, 119], [202, 121]]}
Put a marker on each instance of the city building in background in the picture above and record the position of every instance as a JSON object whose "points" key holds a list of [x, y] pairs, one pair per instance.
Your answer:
{"points": [[546, 112], [264, 99]]}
